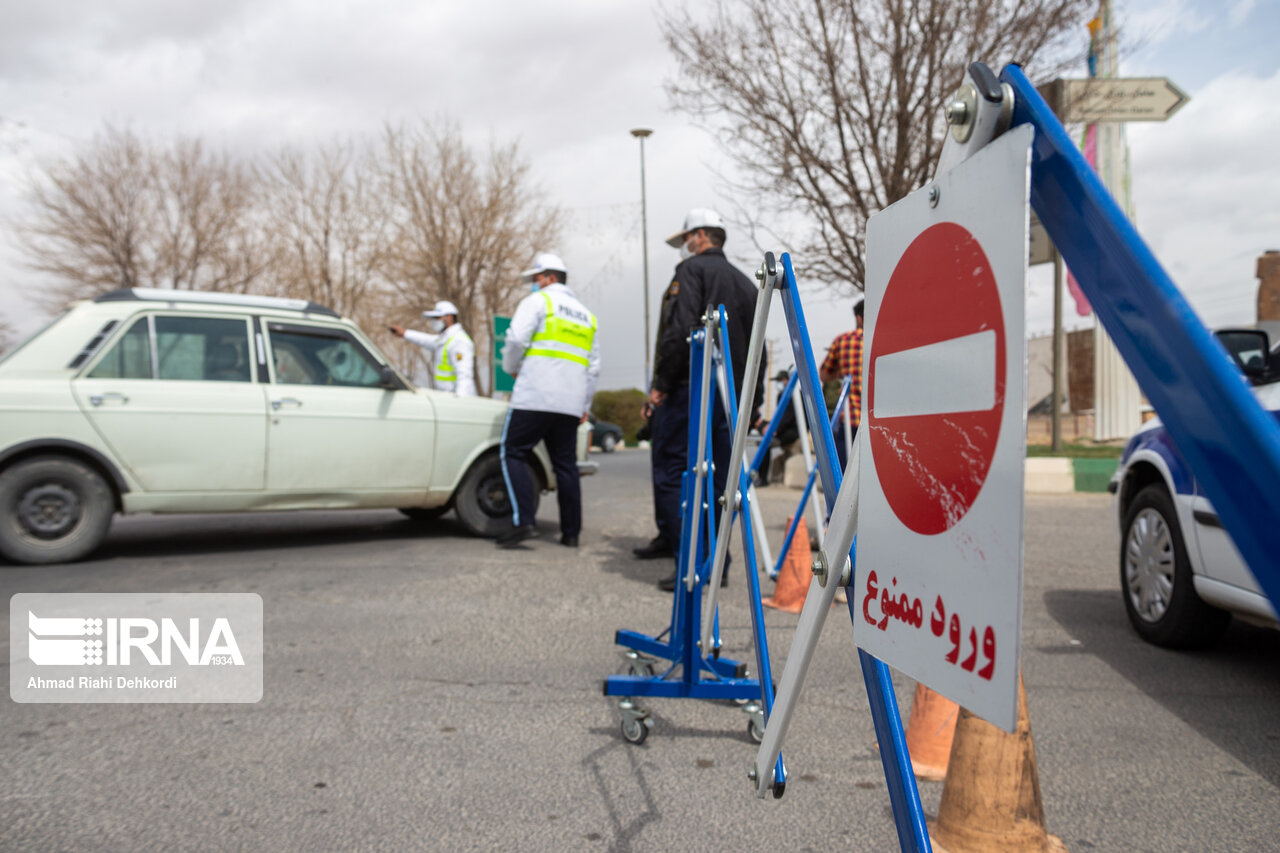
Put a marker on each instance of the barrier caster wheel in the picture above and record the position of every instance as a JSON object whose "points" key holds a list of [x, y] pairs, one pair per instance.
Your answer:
{"points": [[636, 730], [640, 669], [755, 731]]}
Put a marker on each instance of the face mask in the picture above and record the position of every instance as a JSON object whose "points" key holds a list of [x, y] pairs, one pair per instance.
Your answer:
{"points": [[436, 325], [534, 287], [686, 252]]}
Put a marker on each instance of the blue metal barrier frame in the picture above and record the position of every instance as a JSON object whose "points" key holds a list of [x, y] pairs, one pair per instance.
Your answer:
{"points": [[808, 489], [904, 796], [1229, 441], [681, 646], [758, 636], [766, 439]]}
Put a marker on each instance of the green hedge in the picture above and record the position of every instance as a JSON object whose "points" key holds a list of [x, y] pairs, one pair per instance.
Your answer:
{"points": [[622, 408]]}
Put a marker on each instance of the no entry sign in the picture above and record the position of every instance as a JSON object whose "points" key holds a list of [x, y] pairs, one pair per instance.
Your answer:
{"points": [[939, 571], [936, 383]]}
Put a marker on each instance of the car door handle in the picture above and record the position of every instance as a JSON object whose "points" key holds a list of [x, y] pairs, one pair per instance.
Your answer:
{"points": [[285, 401], [110, 396]]}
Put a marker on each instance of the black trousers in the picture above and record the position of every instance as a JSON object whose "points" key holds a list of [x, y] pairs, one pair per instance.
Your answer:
{"points": [[839, 438], [669, 449], [524, 429]]}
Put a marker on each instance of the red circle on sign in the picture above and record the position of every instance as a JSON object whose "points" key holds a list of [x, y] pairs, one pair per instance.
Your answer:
{"points": [[931, 467]]}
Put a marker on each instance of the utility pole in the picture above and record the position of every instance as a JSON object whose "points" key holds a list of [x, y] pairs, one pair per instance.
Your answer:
{"points": [[640, 133]]}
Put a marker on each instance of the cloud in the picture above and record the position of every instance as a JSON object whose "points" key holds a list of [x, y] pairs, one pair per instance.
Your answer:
{"points": [[1205, 184], [1240, 11]]}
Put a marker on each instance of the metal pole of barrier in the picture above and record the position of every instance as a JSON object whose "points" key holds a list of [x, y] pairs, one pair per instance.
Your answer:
{"points": [[802, 423], [762, 458], [1230, 442], [904, 796], [691, 544], [763, 669], [804, 496], [730, 501], [848, 429]]}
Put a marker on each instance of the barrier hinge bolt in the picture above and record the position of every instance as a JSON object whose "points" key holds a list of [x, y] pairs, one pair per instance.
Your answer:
{"points": [[820, 567], [934, 195], [752, 774]]}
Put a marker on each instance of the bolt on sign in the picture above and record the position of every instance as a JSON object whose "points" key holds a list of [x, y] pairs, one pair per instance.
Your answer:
{"points": [[939, 571]]}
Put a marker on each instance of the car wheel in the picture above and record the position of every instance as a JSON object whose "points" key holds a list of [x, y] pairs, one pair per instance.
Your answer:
{"points": [[424, 514], [1155, 576], [608, 443], [55, 510], [482, 502]]}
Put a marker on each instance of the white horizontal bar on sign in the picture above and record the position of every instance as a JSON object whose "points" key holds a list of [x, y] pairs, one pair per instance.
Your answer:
{"points": [[956, 375]]}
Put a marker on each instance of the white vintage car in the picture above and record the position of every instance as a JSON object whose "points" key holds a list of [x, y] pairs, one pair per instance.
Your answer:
{"points": [[176, 401]]}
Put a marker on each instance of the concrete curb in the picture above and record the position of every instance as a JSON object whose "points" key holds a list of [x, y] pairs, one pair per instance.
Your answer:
{"points": [[1059, 474]]}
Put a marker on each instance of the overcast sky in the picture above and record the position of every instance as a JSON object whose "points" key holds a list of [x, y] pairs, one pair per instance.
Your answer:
{"points": [[570, 78]]}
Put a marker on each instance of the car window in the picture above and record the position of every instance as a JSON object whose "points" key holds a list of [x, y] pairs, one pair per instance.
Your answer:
{"points": [[210, 349], [129, 357], [305, 355]]}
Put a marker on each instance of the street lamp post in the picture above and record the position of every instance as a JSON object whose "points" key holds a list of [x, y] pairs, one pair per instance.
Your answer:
{"points": [[640, 133]]}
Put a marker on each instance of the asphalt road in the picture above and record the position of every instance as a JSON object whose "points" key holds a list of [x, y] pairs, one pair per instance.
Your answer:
{"points": [[424, 690]]}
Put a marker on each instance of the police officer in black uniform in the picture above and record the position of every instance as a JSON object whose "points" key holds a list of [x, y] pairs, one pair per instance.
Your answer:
{"points": [[704, 278]]}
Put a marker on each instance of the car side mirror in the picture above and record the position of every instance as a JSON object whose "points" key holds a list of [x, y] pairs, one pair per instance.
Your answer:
{"points": [[1250, 349], [387, 379]]}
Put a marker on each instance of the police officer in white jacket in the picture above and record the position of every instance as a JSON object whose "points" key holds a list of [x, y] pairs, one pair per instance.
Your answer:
{"points": [[552, 351], [450, 350]]}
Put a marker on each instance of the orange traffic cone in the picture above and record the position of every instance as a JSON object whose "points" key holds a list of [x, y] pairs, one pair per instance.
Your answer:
{"points": [[930, 730], [796, 573], [991, 798]]}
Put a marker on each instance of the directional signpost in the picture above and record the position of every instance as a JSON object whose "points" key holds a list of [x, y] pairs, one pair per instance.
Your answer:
{"points": [[938, 588], [1120, 99]]}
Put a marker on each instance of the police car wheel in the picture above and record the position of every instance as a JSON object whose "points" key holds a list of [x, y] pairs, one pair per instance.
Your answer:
{"points": [[482, 502], [608, 442], [52, 510], [1156, 579]]}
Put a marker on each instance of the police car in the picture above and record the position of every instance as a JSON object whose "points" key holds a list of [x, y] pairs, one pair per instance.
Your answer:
{"points": [[1181, 576], [170, 401]]}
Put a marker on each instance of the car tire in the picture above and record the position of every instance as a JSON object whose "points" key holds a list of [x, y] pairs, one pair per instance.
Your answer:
{"points": [[52, 510], [482, 502], [608, 442], [424, 514], [1155, 577]]}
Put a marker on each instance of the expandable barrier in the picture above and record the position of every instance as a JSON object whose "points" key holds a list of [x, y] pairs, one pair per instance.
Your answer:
{"points": [[692, 644]]}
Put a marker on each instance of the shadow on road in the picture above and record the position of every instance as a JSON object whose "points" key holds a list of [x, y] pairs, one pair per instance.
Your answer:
{"points": [[182, 536], [1220, 692], [625, 564]]}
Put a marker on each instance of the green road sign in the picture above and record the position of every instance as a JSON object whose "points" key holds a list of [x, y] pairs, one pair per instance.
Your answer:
{"points": [[503, 382]]}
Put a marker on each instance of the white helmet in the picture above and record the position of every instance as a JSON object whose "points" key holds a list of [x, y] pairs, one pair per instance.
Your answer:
{"points": [[699, 217], [443, 307], [544, 262]]}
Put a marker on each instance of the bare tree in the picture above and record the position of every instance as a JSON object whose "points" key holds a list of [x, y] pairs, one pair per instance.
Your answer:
{"points": [[830, 110], [124, 213], [207, 234], [331, 224], [463, 225], [90, 218]]}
